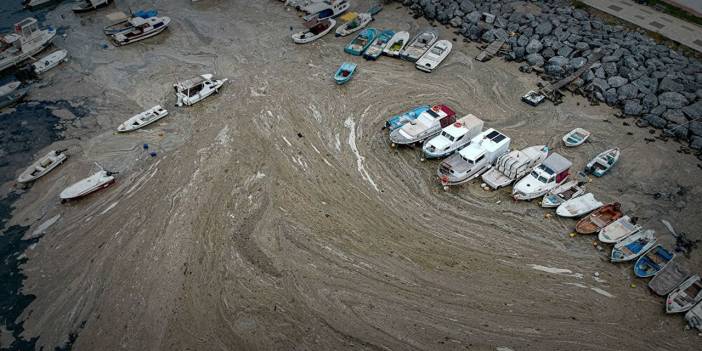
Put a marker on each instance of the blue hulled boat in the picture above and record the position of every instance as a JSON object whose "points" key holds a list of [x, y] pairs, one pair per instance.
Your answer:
{"points": [[399, 120], [361, 42], [345, 72], [652, 262]]}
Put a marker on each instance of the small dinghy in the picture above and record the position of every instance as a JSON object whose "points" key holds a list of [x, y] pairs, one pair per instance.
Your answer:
{"points": [[633, 246], [140, 29], [361, 42], [396, 44], [11, 93], [428, 124], [668, 278], [143, 119], [357, 23], [545, 177], [42, 166], [652, 261], [618, 230], [603, 162], [694, 317], [89, 5], [562, 193], [197, 89], [398, 121], [599, 219], [95, 182], [685, 296], [376, 48], [514, 165], [314, 31], [49, 61], [576, 137], [419, 45], [453, 137], [578, 206], [344, 73], [434, 56]]}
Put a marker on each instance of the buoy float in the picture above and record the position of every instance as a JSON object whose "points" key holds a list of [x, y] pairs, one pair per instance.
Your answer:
{"points": [[458, 125], [435, 109]]}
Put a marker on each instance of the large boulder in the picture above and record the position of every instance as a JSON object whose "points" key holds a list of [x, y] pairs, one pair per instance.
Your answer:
{"points": [[668, 84], [556, 65], [600, 84], [523, 40], [467, 6], [632, 107], [535, 59], [578, 62], [616, 81], [456, 22], [544, 28], [649, 101], [674, 115], [655, 121], [627, 91], [534, 46], [693, 111], [696, 142], [473, 17], [565, 51], [672, 99], [696, 127], [610, 68]]}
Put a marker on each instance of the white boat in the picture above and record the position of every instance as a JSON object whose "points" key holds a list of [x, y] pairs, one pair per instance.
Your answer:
{"points": [[36, 3], [325, 9], [428, 124], [685, 296], [315, 31], [396, 44], [197, 89], [89, 5], [434, 56], [49, 61], [575, 137], [544, 178], [419, 45], [143, 119], [603, 162], [358, 22], [42, 166], [453, 137], [694, 317], [633, 246], [562, 193], [514, 165], [579, 206], [618, 230], [139, 29], [97, 181], [28, 40], [11, 93], [473, 160]]}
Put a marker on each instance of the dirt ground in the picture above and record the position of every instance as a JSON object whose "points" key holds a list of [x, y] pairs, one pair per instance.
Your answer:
{"points": [[276, 215]]}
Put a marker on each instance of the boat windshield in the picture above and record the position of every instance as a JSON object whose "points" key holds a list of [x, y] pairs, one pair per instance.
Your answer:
{"points": [[428, 117], [543, 179], [534, 174], [437, 51], [447, 136]]}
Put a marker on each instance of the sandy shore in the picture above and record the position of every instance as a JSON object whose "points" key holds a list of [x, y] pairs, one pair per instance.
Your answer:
{"points": [[276, 216]]}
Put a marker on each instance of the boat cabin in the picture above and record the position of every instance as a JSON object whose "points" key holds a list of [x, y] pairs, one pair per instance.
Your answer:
{"points": [[555, 168], [326, 9], [25, 31], [488, 145], [192, 86]]}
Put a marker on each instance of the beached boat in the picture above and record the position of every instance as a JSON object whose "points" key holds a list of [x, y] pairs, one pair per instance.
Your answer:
{"points": [[633, 246], [476, 158], [578, 206], [194, 90], [357, 22], [694, 317], [42, 166], [345, 72], [562, 193], [27, 41], [419, 45], [599, 219], [428, 124], [314, 31], [652, 261], [36, 3], [126, 23], [575, 137], [398, 121], [533, 98], [685, 296], [396, 44], [143, 119], [89, 5], [668, 278], [12, 93], [453, 137], [603, 162], [543, 178], [49, 61], [376, 48], [514, 165], [618, 230], [141, 28], [97, 181], [433, 57], [325, 9], [361, 42]]}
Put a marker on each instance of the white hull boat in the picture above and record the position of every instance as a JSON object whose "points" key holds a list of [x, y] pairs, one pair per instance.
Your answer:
{"points": [[575, 137], [685, 296], [428, 124], [354, 25], [545, 177], [694, 317], [434, 56], [49, 61], [471, 161], [194, 90], [618, 230], [42, 166], [27, 41], [140, 29], [36, 3], [633, 246], [668, 278], [419, 45], [95, 182], [317, 31], [514, 165], [453, 137], [579, 206], [90, 5], [143, 119], [325, 9], [396, 44], [562, 193], [11, 93]]}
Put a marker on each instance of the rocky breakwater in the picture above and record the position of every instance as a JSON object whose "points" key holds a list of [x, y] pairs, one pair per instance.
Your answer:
{"points": [[659, 86]]}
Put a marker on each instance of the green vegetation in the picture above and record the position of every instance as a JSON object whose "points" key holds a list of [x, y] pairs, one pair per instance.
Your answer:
{"points": [[674, 11]]}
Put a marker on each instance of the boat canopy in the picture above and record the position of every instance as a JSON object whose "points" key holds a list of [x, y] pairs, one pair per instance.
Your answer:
{"points": [[190, 83], [557, 163]]}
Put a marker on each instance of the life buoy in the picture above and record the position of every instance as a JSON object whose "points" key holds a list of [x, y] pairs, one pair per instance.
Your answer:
{"points": [[458, 125], [435, 108]]}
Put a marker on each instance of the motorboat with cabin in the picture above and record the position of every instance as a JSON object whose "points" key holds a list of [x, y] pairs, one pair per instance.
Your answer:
{"points": [[453, 137], [194, 90], [514, 165], [89, 5], [325, 9], [27, 41], [315, 30], [428, 124], [140, 29], [474, 159], [553, 172]]}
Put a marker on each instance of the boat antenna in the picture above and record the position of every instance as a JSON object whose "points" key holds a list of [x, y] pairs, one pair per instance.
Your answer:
{"points": [[97, 164]]}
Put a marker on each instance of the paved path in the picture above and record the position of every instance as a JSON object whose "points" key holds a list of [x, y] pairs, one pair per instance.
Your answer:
{"points": [[675, 29]]}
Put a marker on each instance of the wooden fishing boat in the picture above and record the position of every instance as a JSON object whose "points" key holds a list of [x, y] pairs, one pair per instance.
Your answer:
{"points": [[652, 261], [576, 137], [361, 42], [599, 219], [633, 246], [49, 61], [668, 278], [618, 230], [562, 193], [694, 317], [140, 29], [396, 44], [95, 182], [376, 48], [685, 296], [314, 31], [42, 166], [578, 206], [419, 44], [603, 162], [143, 119], [357, 23], [344, 73]]}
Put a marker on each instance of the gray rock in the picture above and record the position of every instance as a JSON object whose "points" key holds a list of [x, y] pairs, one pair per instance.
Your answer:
{"points": [[580, 14], [649, 102], [535, 59], [544, 28], [675, 116], [456, 21], [610, 68], [655, 121], [679, 131], [630, 62], [467, 6], [523, 40], [658, 110], [693, 111], [646, 85], [473, 17], [672, 99], [627, 91], [489, 36], [581, 46], [578, 62], [519, 53], [600, 73], [600, 84], [534, 46], [556, 65], [611, 96], [565, 51], [668, 84], [588, 76], [696, 142], [547, 53], [632, 107], [617, 81], [696, 127]]}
